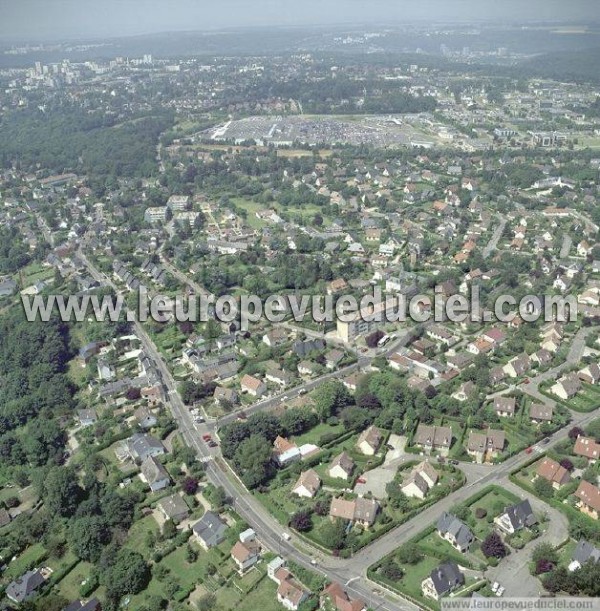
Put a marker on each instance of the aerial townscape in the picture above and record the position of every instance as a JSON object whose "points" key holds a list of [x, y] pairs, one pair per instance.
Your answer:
{"points": [[344, 464]]}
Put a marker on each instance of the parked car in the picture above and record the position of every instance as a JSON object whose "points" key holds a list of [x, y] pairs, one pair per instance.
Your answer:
{"points": [[206, 437], [361, 480], [528, 450]]}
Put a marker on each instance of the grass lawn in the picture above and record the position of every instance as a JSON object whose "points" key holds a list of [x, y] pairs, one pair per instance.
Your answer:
{"points": [[263, 597], [32, 556], [251, 208], [69, 586], [138, 535], [317, 432]]}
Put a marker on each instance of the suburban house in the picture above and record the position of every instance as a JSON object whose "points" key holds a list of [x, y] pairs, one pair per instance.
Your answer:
{"points": [[223, 394], [442, 580], [253, 386], [360, 511], [308, 484], [457, 533], [275, 337], [369, 441], [332, 358], [209, 530], [154, 474], [338, 598], [517, 366], [341, 466], [464, 391], [583, 553], [174, 508], [484, 447], [336, 286], [26, 586], [91, 605], [285, 451], [516, 517], [552, 472], [567, 387], [590, 374], [587, 447], [290, 593], [505, 406], [433, 438], [142, 446], [279, 377], [422, 478], [145, 418], [539, 412], [589, 499], [87, 417], [245, 554]]}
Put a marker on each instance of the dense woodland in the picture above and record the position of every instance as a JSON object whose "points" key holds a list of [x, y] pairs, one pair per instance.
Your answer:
{"points": [[68, 138]]}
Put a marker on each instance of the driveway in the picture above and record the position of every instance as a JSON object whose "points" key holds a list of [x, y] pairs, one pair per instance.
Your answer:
{"points": [[517, 563], [377, 479]]}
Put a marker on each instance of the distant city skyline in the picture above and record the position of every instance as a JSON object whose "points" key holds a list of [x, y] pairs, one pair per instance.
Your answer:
{"points": [[37, 20]]}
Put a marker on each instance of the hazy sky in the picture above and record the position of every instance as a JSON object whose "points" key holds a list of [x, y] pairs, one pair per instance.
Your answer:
{"points": [[35, 19]]}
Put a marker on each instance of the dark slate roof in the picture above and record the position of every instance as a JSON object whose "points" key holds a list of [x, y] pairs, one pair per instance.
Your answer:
{"points": [[210, 528], [521, 515], [449, 523], [446, 577], [22, 588], [584, 551]]}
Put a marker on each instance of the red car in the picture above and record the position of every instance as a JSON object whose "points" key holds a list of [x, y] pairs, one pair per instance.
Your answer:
{"points": [[206, 437], [528, 450], [361, 480]]}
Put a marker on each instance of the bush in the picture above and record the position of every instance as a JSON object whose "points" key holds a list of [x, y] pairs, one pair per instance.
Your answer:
{"points": [[480, 513]]}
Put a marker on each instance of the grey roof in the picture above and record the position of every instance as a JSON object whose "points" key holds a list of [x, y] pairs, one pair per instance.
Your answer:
{"points": [[302, 348], [462, 534], [91, 605], [446, 577], [142, 446], [23, 588], [210, 528], [154, 471], [584, 552], [521, 515]]}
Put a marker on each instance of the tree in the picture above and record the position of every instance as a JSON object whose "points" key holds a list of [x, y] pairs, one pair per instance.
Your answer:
{"points": [[301, 520], [169, 530], [543, 488], [61, 492], [207, 602], [133, 394], [575, 432], [373, 339], [567, 464], [190, 485], [396, 496], [126, 573], [593, 429], [493, 546], [253, 461], [545, 551], [87, 537], [332, 534], [409, 553], [330, 398], [218, 497], [390, 570]]}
